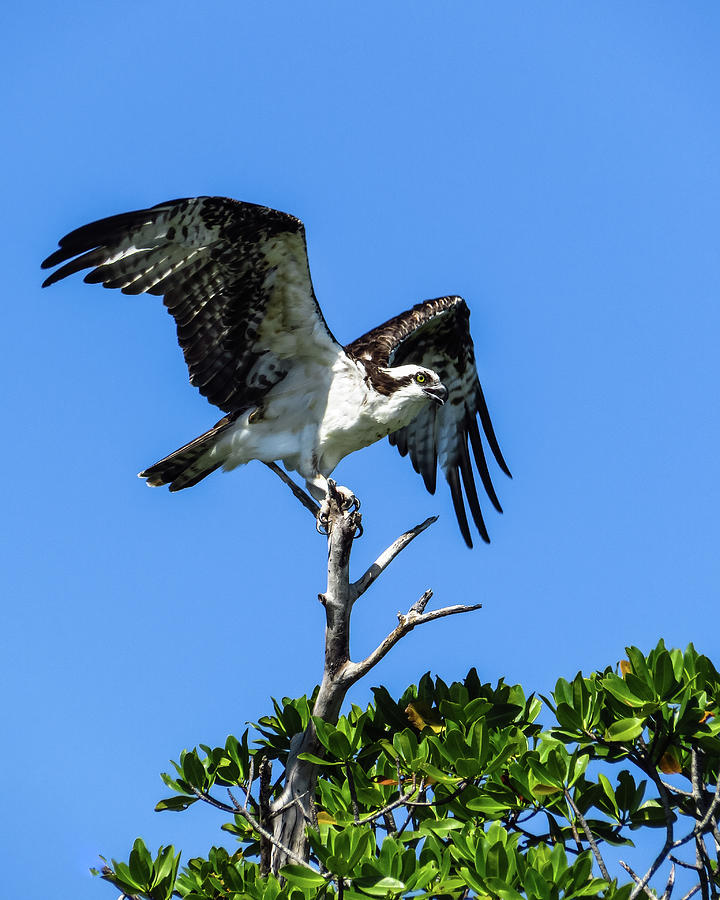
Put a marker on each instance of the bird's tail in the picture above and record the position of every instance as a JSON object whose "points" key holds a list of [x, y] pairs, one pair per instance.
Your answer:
{"points": [[191, 463]]}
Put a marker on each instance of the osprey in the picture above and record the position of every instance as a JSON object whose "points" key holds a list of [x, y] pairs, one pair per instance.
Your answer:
{"points": [[235, 278]]}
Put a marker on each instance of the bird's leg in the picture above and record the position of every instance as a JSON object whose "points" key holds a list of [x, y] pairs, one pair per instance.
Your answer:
{"points": [[319, 487], [326, 491]]}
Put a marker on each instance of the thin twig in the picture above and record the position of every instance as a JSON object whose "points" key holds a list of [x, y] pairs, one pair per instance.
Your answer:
{"points": [[276, 812], [589, 836], [443, 800], [251, 776], [670, 884], [353, 792], [676, 790], [639, 885], [359, 587], [701, 867], [389, 823], [695, 774], [354, 671], [405, 824], [241, 811], [400, 801], [303, 497], [650, 770], [576, 836], [700, 826], [684, 865], [691, 892]]}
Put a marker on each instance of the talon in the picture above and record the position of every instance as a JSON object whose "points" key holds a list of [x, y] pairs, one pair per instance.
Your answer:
{"points": [[322, 520], [348, 501], [322, 525]]}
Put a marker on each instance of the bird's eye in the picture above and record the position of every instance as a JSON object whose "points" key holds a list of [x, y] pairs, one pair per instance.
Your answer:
{"points": [[420, 378]]}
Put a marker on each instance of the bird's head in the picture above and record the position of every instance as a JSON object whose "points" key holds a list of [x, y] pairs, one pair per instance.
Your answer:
{"points": [[418, 383]]}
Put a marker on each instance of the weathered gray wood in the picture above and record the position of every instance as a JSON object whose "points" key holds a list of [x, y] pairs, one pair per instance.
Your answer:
{"points": [[293, 810]]}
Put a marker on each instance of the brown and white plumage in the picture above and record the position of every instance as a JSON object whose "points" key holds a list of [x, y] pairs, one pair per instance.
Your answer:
{"points": [[235, 278], [436, 334]]}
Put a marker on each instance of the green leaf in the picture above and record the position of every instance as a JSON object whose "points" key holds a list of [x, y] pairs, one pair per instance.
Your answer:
{"points": [[535, 885], [193, 770], [639, 665], [140, 863], [568, 717], [490, 807], [439, 826], [340, 745], [620, 689], [164, 863], [502, 889], [663, 675], [640, 688], [302, 876], [651, 814], [380, 887], [318, 760], [123, 875], [175, 804], [624, 730], [472, 880], [609, 792]]}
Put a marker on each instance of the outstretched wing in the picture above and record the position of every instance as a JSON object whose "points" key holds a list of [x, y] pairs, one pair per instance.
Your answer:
{"points": [[436, 334], [233, 275]]}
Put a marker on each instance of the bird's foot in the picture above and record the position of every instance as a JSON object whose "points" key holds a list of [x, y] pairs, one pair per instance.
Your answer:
{"points": [[341, 499], [347, 501], [322, 520]]}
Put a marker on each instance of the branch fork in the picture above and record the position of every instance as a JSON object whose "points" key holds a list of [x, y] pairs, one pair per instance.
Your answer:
{"points": [[293, 809]]}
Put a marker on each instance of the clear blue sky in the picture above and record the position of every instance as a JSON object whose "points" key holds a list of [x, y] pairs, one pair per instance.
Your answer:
{"points": [[556, 164]]}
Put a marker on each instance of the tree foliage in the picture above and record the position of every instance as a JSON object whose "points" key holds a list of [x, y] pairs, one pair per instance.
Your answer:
{"points": [[468, 789]]}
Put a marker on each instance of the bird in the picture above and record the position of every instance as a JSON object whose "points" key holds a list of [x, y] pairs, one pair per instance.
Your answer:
{"points": [[236, 279]]}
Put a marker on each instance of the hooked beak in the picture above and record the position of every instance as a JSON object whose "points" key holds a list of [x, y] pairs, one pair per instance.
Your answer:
{"points": [[439, 393]]}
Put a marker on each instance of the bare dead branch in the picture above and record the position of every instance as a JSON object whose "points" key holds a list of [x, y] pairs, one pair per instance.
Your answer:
{"points": [[233, 799], [651, 771], [699, 859], [251, 776], [684, 865], [292, 810], [264, 795], [415, 791], [691, 892], [588, 834], [667, 893], [301, 495], [353, 792], [695, 775], [706, 820], [407, 623], [359, 587], [640, 885], [443, 800], [389, 823], [711, 814], [238, 810], [676, 790], [295, 800]]}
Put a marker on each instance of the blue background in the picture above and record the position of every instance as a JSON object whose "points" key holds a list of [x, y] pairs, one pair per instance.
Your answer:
{"points": [[556, 164]]}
